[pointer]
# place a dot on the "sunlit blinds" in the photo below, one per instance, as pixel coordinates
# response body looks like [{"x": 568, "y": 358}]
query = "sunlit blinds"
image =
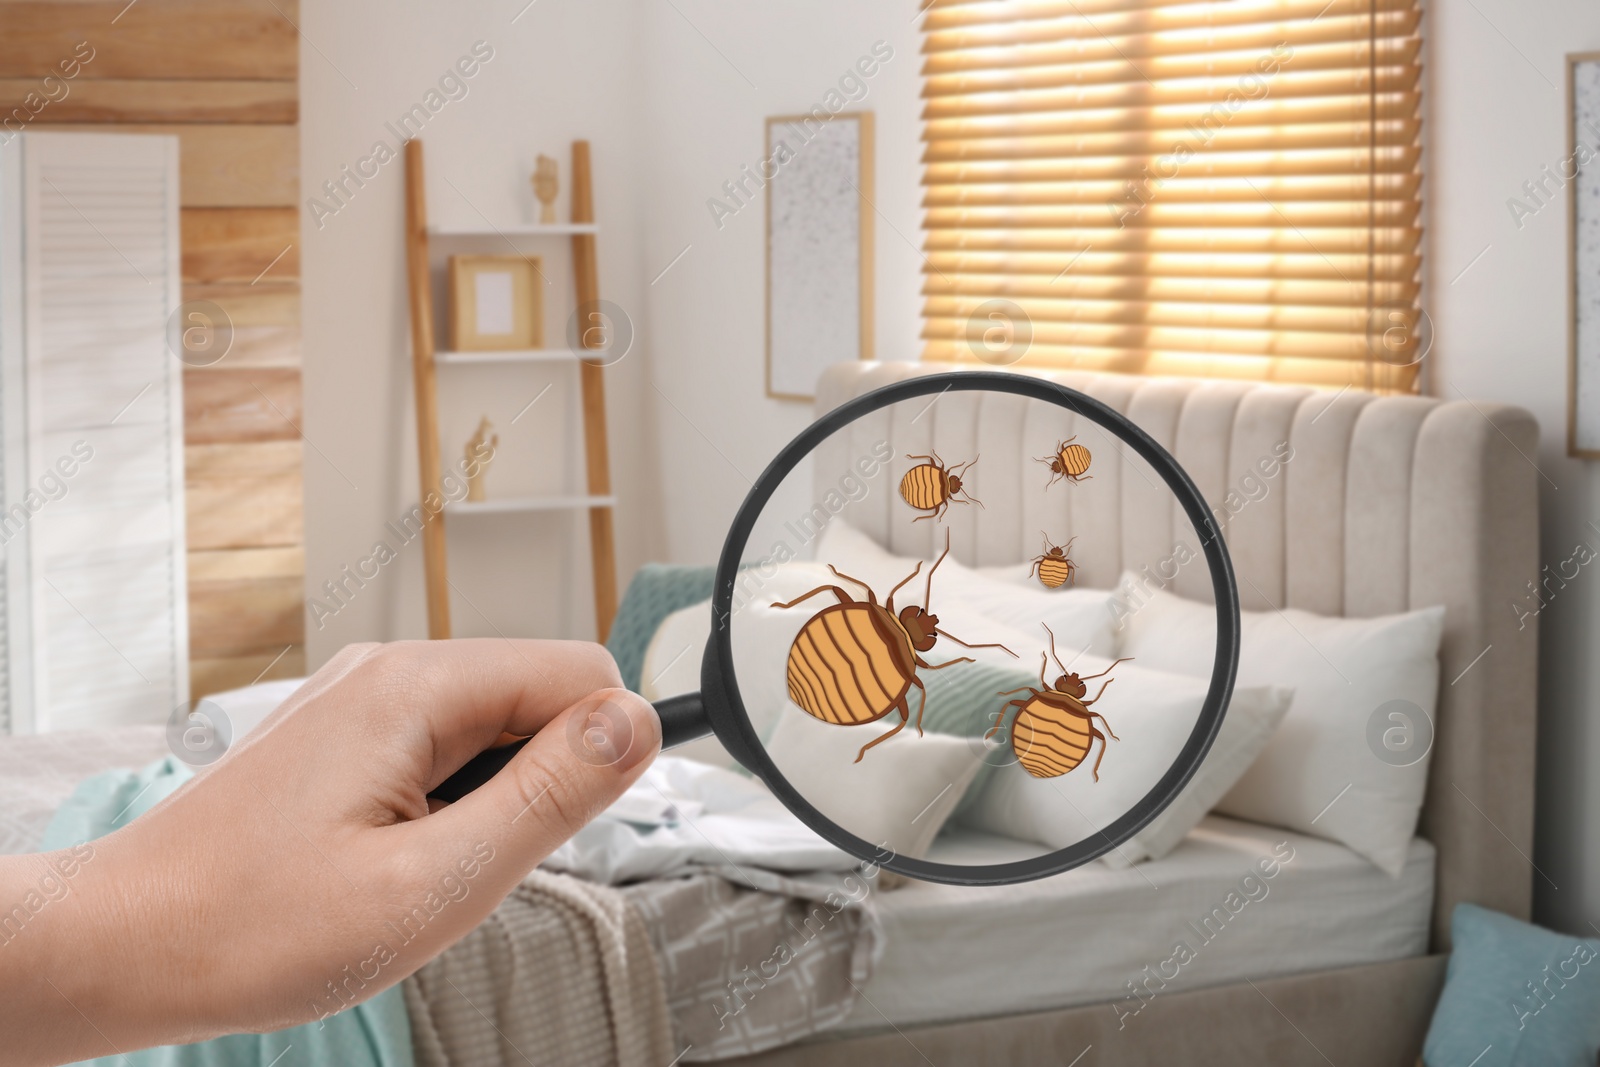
[{"x": 1227, "y": 188}]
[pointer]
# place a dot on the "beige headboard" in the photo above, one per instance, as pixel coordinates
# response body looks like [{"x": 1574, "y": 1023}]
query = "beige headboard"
[{"x": 1389, "y": 503}]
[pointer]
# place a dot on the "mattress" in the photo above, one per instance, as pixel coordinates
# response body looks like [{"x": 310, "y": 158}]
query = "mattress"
[{"x": 1203, "y": 915}]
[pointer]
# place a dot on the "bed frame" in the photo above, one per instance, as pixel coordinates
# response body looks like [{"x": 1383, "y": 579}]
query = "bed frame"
[{"x": 1389, "y": 503}]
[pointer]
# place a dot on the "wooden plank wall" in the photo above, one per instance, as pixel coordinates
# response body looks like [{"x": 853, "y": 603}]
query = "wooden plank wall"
[{"x": 222, "y": 76}]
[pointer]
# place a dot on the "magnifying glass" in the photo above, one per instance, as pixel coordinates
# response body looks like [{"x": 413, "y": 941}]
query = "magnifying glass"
[{"x": 862, "y": 670}]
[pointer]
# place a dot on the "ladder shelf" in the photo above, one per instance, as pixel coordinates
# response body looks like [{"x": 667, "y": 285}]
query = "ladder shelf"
[{"x": 425, "y": 361}]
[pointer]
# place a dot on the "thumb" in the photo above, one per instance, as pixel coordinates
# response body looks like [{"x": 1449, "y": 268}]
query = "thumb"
[{"x": 569, "y": 772}]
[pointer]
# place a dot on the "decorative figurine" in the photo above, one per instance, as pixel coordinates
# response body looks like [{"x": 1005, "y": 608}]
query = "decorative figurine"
[
  {"x": 545, "y": 186},
  {"x": 479, "y": 454}
]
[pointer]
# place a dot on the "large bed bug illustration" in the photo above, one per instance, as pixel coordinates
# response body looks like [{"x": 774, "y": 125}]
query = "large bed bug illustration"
[
  {"x": 932, "y": 487},
  {"x": 1055, "y": 568},
  {"x": 854, "y": 662},
  {"x": 1054, "y": 728},
  {"x": 1069, "y": 461}
]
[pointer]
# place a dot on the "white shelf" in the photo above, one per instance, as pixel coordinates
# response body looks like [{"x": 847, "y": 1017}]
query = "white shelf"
[
  {"x": 529, "y": 503},
  {"x": 516, "y": 355},
  {"x": 534, "y": 229}
]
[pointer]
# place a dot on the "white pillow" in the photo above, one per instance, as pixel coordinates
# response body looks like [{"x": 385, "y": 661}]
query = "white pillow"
[
  {"x": 1317, "y": 774},
  {"x": 1252, "y": 716},
  {"x": 673, "y": 657},
  {"x": 1152, "y": 713},
  {"x": 672, "y": 667},
  {"x": 899, "y": 795},
  {"x": 1081, "y": 618}
]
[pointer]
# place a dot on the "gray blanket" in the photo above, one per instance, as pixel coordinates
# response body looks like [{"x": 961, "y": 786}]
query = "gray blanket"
[
  {"x": 561, "y": 973},
  {"x": 752, "y": 966},
  {"x": 703, "y": 967}
]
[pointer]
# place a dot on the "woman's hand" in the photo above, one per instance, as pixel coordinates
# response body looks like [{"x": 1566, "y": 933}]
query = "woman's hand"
[{"x": 303, "y": 872}]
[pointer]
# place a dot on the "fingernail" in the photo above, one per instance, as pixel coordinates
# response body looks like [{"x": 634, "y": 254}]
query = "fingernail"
[{"x": 615, "y": 728}]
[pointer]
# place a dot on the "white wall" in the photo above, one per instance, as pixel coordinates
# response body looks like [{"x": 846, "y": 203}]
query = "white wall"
[
  {"x": 715, "y": 71},
  {"x": 1496, "y": 100},
  {"x": 560, "y": 71}
]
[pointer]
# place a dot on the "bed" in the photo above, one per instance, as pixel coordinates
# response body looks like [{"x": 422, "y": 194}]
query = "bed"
[{"x": 1390, "y": 503}]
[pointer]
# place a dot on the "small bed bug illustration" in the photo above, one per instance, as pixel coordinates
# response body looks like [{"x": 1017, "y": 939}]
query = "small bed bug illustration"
[
  {"x": 853, "y": 663},
  {"x": 1070, "y": 461},
  {"x": 1055, "y": 568},
  {"x": 1054, "y": 728},
  {"x": 931, "y": 487}
]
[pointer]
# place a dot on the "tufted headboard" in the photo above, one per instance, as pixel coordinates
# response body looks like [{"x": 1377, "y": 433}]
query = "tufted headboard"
[{"x": 1389, "y": 503}]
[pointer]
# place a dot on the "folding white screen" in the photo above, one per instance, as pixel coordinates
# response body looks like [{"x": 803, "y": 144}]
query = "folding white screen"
[{"x": 92, "y": 405}]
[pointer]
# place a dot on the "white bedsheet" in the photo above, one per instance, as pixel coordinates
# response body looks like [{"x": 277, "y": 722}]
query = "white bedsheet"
[
  {"x": 728, "y": 820},
  {"x": 1079, "y": 938}
]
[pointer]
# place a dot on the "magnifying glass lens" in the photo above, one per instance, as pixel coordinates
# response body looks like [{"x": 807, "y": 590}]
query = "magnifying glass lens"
[{"x": 928, "y": 631}]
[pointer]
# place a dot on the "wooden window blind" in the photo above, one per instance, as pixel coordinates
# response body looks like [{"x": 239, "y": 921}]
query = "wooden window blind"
[{"x": 1153, "y": 186}]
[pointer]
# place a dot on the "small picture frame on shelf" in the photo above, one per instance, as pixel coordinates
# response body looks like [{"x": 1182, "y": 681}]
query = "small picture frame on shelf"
[{"x": 495, "y": 303}]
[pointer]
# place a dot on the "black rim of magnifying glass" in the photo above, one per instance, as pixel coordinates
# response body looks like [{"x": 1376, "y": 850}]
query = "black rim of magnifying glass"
[{"x": 720, "y": 688}]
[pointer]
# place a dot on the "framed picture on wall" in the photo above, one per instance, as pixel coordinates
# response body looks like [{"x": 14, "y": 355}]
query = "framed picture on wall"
[
  {"x": 1580, "y": 170},
  {"x": 495, "y": 303},
  {"x": 818, "y": 175}
]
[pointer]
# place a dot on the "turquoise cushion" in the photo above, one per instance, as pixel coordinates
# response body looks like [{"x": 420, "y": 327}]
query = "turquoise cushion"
[
  {"x": 656, "y": 591},
  {"x": 1515, "y": 995},
  {"x": 965, "y": 700}
]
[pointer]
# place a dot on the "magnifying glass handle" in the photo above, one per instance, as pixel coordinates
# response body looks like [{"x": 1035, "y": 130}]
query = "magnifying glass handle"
[{"x": 683, "y": 719}]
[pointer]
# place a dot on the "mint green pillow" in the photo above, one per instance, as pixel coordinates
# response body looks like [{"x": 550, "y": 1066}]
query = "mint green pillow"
[
  {"x": 965, "y": 700},
  {"x": 1515, "y": 995}
]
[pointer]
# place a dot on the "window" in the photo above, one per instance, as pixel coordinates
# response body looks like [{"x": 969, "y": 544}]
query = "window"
[{"x": 1225, "y": 189}]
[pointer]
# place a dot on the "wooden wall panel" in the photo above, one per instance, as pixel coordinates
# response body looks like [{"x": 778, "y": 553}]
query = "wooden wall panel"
[
  {"x": 224, "y": 404},
  {"x": 248, "y": 616},
  {"x": 240, "y": 244},
  {"x": 265, "y": 346},
  {"x": 247, "y": 564},
  {"x": 119, "y": 100},
  {"x": 266, "y": 303},
  {"x": 155, "y": 39},
  {"x": 237, "y": 613},
  {"x": 244, "y": 495},
  {"x": 213, "y": 674},
  {"x": 221, "y": 75}
]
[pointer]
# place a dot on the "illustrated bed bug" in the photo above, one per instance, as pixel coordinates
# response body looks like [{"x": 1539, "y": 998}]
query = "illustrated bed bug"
[
  {"x": 931, "y": 487},
  {"x": 1070, "y": 461},
  {"x": 1054, "y": 728},
  {"x": 1054, "y": 568},
  {"x": 853, "y": 663}
]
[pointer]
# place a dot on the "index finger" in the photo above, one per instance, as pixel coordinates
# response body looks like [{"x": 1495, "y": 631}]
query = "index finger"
[{"x": 464, "y": 694}]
